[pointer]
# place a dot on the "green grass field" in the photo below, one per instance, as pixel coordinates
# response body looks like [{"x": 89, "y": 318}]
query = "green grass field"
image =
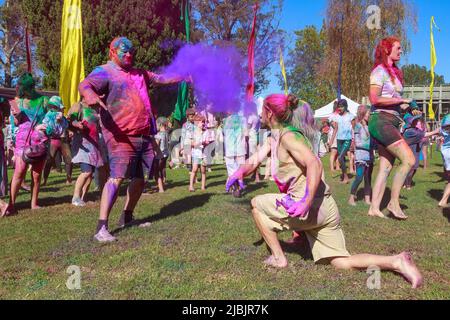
[{"x": 204, "y": 245}]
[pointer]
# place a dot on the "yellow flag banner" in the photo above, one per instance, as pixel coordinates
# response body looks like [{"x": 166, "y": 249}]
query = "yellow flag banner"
[
  {"x": 72, "y": 64},
  {"x": 283, "y": 72},
  {"x": 433, "y": 65}
]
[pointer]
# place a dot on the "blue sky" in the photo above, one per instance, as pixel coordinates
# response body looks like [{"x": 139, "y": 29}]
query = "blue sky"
[{"x": 299, "y": 13}]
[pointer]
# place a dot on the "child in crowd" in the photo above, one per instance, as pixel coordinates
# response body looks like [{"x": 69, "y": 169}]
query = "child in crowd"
[
  {"x": 445, "y": 151},
  {"x": 199, "y": 140},
  {"x": 414, "y": 138},
  {"x": 56, "y": 125},
  {"x": 186, "y": 143},
  {"x": 162, "y": 140},
  {"x": 234, "y": 133},
  {"x": 364, "y": 156},
  {"x": 86, "y": 147}
]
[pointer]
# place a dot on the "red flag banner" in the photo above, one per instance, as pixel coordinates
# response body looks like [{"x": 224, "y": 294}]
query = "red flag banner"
[{"x": 251, "y": 57}]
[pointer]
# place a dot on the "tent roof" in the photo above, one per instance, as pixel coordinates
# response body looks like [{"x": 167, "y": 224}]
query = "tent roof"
[{"x": 326, "y": 111}]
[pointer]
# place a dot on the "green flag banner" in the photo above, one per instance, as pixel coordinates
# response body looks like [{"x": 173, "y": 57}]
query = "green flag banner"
[{"x": 183, "y": 96}]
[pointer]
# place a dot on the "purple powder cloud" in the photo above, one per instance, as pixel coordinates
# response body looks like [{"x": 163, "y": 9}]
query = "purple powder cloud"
[{"x": 218, "y": 72}]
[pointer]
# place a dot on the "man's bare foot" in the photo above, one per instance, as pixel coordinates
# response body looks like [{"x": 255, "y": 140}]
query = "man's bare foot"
[
  {"x": 35, "y": 207},
  {"x": 367, "y": 200},
  {"x": 161, "y": 191},
  {"x": 397, "y": 212},
  {"x": 276, "y": 262},
  {"x": 191, "y": 190},
  {"x": 408, "y": 269},
  {"x": 376, "y": 213},
  {"x": 351, "y": 201},
  {"x": 203, "y": 188}
]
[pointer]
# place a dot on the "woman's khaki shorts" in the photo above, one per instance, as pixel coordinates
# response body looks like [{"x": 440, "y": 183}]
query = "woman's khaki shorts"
[{"x": 322, "y": 225}]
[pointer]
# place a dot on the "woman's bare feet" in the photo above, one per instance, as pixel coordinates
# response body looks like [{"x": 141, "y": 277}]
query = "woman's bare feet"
[
  {"x": 376, "y": 213},
  {"x": 276, "y": 262},
  {"x": 351, "y": 201},
  {"x": 444, "y": 205},
  {"x": 191, "y": 190},
  {"x": 36, "y": 207},
  {"x": 397, "y": 211},
  {"x": 408, "y": 269},
  {"x": 8, "y": 210}
]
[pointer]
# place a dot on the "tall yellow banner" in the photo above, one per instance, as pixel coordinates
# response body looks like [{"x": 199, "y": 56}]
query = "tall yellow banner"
[
  {"x": 433, "y": 65},
  {"x": 283, "y": 72},
  {"x": 72, "y": 64}
]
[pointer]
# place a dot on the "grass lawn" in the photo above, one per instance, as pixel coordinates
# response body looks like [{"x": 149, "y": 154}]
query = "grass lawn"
[{"x": 204, "y": 245}]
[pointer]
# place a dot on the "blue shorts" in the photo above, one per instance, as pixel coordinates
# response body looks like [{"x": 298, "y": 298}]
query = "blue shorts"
[
  {"x": 87, "y": 168},
  {"x": 130, "y": 156}
]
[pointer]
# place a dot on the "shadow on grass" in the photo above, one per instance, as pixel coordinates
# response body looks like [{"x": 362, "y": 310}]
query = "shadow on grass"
[
  {"x": 436, "y": 194},
  {"x": 446, "y": 214},
  {"x": 301, "y": 247},
  {"x": 173, "y": 209}
]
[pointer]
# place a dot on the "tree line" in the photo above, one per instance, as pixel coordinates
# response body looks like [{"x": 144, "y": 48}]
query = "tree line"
[{"x": 157, "y": 30}]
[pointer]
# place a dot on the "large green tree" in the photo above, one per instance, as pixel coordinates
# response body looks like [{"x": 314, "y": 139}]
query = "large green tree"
[
  {"x": 347, "y": 28},
  {"x": 231, "y": 21},
  {"x": 302, "y": 67},
  {"x": 416, "y": 75},
  {"x": 154, "y": 26},
  {"x": 12, "y": 42}
]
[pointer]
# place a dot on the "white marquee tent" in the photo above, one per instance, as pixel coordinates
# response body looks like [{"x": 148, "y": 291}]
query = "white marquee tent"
[{"x": 326, "y": 111}]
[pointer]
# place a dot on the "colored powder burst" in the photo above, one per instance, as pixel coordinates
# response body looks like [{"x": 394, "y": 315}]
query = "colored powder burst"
[{"x": 218, "y": 74}]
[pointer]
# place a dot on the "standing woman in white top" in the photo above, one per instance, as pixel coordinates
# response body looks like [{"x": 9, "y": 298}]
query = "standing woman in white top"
[{"x": 386, "y": 87}]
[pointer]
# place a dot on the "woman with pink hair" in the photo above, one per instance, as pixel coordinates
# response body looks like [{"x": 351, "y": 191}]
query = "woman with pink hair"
[
  {"x": 386, "y": 87},
  {"x": 304, "y": 202}
]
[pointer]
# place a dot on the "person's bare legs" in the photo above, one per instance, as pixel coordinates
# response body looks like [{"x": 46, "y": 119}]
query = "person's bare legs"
[
  {"x": 443, "y": 203},
  {"x": 36, "y": 172},
  {"x": 20, "y": 170},
  {"x": 86, "y": 186},
  {"x": 109, "y": 197},
  {"x": 193, "y": 177},
  {"x": 333, "y": 158},
  {"x": 203, "y": 171},
  {"x": 134, "y": 192},
  {"x": 425, "y": 156},
  {"x": 403, "y": 152},
  {"x": 386, "y": 163},
  {"x": 278, "y": 258},
  {"x": 401, "y": 263},
  {"x": 78, "y": 191}
]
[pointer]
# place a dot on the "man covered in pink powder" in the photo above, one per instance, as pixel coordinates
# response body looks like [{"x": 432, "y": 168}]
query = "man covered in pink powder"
[{"x": 128, "y": 126}]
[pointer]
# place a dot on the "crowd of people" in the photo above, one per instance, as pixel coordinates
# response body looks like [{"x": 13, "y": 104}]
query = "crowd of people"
[{"x": 114, "y": 135}]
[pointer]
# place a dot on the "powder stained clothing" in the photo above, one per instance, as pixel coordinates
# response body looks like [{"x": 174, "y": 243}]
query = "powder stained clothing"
[
  {"x": 129, "y": 112},
  {"x": 389, "y": 88},
  {"x": 414, "y": 138},
  {"x": 445, "y": 149},
  {"x": 322, "y": 222},
  {"x": 85, "y": 143},
  {"x": 253, "y": 132},
  {"x": 344, "y": 123},
  {"x": 186, "y": 141},
  {"x": 385, "y": 128},
  {"x": 163, "y": 138},
  {"x": 363, "y": 145},
  {"x": 29, "y": 109},
  {"x": 55, "y": 128},
  {"x": 234, "y": 132}
]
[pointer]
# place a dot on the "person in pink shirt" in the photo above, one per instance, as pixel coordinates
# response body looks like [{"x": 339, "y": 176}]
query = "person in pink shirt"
[{"x": 128, "y": 126}]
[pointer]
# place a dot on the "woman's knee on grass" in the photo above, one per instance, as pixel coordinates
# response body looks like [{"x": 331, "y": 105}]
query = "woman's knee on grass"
[{"x": 342, "y": 263}]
